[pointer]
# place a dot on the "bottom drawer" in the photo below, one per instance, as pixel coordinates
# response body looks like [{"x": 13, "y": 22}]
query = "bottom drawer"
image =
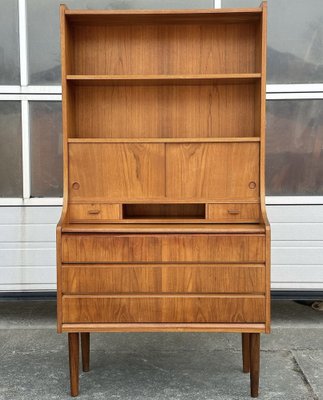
[{"x": 163, "y": 309}]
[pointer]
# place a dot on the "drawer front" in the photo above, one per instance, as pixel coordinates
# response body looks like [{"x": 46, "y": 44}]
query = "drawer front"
[
  {"x": 94, "y": 212},
  {"x": 104, "y": 279},
  {"x": 126, "y": 248},
  {"x": 233, "y": 212},
  {"x": 185, "y": 309}
]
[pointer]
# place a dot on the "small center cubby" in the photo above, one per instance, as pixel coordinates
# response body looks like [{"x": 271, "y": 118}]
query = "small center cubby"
[{"x": 163, "y": 211}]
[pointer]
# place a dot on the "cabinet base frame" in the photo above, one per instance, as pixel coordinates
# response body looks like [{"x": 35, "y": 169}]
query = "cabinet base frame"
[
  {"x": 250, "y": 354},
  {"x": 165, "y": 327}
]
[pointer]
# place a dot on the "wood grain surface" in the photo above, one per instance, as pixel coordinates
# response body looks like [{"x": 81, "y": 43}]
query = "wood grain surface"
[
  {"x": 225, "y": 110},
  {"x": 198, "y": 308},
  {"x": 164, "y": 48},
  {"x": 234, "y": 212},
  {"x": 116, "y": 170},
  {"x": 213, "y": 170},
  {"x": 201, "y": 278},
  {"x": 177, "y": 227},
  {"x": 180, "y": 248},
  {"x": 94, "y": 212}
]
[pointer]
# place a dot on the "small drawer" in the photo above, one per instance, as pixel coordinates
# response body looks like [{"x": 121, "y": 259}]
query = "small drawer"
[
  {"x": 237, "y": 212},
  {"x": 150, "y": 278},
  {"x": 163, "y": 248},
  {"x": 164, "y": 308},
  {"x": 94, "y": 212}
]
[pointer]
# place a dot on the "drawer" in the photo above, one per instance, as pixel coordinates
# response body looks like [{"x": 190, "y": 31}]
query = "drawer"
[
  {"x": 94, "y": 212},
  {"x": 159, "y": 308},
  {"x": 203, "y": 278},
  {"x": 233, "y": 212},
  {"x": 163, "y": 248}
]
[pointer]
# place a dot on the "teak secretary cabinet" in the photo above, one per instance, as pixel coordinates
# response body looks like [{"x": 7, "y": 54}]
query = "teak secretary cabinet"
[{"x": 164, "y": 225}]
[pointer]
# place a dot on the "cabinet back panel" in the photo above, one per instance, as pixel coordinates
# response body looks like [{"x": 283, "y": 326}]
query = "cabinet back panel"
[
  {"x": 198, "y": 48},
  {"x": 116, "y": 170},
  {"x": 164, "y": 111}
]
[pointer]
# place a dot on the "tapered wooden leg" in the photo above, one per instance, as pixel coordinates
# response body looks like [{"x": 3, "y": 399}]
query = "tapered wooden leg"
[
  {"x": 85, "y": 345},
  {"x": 73, "y": 347},
  {"x": 246, "y": 352},
  {"x": 254, "y": 363}
]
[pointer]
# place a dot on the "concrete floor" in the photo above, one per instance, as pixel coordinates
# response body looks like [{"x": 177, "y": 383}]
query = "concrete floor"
[{"x": 156, "y": 366}]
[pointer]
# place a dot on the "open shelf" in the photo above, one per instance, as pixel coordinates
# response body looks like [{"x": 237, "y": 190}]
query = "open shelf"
[
  {"x": 172, "y": 110},
  {"x": 163, "y": 211},
  {"x": 165, "y": 140},
  {"x": 163, "y": 43},
  {"x": 198, "y": 79}
]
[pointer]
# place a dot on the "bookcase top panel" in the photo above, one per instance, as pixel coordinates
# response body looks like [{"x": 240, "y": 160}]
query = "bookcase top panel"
[{"x": 163, "y": 16}]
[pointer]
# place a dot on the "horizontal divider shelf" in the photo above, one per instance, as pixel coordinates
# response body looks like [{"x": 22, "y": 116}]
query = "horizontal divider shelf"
[
  {"x": 166, "y": 140},
  {"x": 166, "y": 201},
  {"x": 163, "y": 79},
  {"x": 174, "y": 228},
  {"x": 162, "y": 295}
]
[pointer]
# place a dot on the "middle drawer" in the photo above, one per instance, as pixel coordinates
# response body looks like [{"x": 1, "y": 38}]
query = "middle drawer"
[
  {"x": 162, "y": 248},
  {"x": 203, "y": 278}
]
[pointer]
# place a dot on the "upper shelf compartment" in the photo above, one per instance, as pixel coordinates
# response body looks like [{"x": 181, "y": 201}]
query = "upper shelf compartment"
[
  {"x": 152, "y": 43},
  {"x": 159, "y": 111}
]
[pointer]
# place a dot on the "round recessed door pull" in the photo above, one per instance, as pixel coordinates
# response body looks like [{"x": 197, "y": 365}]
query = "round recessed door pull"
[
  {"x": 252, "y": 185},
  {"x": 75, "y": 185}
]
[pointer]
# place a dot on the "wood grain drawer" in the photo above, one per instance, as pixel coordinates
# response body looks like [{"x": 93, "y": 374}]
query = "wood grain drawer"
[
  {"x": 116, "y": 278},
  {"x": 159, "y": 308},
  {"x": 181, "y": 248},
  {"x": 234, "y": 212},
  {"x": 94, "y": 212}
]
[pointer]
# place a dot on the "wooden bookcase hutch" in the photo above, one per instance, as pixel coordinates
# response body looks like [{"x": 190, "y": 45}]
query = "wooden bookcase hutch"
[{"x": 164, "y": 225}]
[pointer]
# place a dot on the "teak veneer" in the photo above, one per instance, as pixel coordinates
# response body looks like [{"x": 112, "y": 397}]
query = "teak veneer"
[{"x": 164, "y": 224}]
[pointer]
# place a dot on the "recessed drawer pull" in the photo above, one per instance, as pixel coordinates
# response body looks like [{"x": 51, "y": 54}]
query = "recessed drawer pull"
[
  {"x": 234, "y": 212},
  {"x": 93, "y": 212}
]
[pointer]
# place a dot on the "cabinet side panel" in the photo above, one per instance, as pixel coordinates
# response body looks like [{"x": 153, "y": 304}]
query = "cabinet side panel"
[
  {"x": 263, "y": 36},
  {"x": 65, "y": 42}
]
